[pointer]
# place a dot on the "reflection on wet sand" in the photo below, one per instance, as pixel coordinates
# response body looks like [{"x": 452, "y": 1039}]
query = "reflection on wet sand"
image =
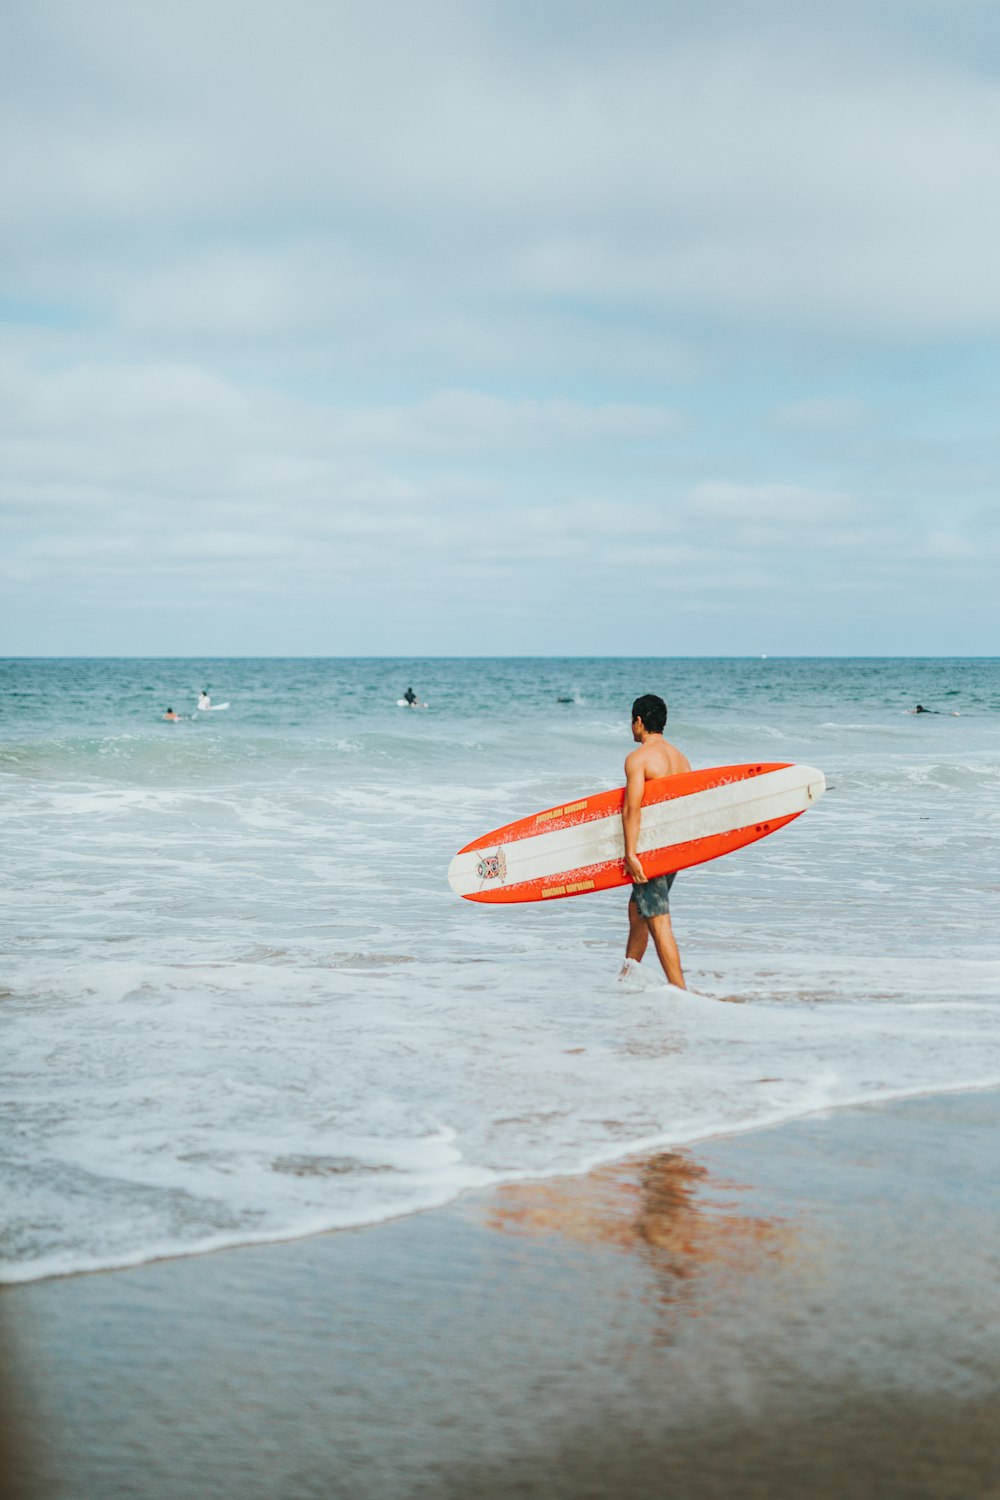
[{"x": 657, "y": 1207}]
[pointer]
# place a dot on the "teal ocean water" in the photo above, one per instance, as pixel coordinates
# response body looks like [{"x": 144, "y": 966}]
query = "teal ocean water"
[{"x": 240, "y": 1003}]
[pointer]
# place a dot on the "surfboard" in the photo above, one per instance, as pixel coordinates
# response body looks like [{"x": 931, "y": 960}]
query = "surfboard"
[
  {"x": 213, "y": 708},
  {"x": 402, "y": 703},
  {"x": 579, "y": 847}
]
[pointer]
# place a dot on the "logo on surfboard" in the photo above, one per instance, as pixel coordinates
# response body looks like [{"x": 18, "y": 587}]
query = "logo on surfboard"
[{"x": 493, "y": 866}]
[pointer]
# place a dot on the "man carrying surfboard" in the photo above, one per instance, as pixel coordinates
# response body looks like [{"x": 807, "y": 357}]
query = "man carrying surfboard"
[{"x": 649, "y": 904}]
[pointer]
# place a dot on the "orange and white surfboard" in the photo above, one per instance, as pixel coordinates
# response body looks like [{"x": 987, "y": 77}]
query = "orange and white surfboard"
[{"x": 579, "y": 846}]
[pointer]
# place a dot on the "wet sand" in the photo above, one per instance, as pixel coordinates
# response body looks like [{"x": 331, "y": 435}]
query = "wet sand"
[{"x": 812, "y": 1310}]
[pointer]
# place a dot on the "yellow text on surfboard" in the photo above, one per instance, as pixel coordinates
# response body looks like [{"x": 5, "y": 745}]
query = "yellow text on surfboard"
[
  {"x": 574, "y": 889},
  {"x": 561, "y": 812}
]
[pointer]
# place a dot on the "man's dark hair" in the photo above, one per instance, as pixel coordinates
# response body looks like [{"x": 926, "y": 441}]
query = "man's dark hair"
[{"x": 652, "y": 711}]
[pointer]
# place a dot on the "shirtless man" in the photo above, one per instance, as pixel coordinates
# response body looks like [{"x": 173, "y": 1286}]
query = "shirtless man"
[{"x": 649, "y": 906}]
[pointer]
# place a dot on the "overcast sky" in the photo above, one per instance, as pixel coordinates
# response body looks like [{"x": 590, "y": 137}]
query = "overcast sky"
[{"x": 349, "y": 327}]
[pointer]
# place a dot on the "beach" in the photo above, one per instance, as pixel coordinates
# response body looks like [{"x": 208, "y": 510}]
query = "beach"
[
  {"x": 806, "y": 1310},
  {"x": 320, "y": 1181}
]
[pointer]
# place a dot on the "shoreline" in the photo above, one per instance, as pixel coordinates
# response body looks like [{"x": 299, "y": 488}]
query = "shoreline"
[
  {"x": 641, "y": 1149},
  {"x": 636, "y": 1151},
  {"x": 808, "y": 1307}
]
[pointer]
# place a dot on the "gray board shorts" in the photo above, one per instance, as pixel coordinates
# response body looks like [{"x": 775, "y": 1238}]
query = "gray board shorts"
[{"x": 653, "y": 898}]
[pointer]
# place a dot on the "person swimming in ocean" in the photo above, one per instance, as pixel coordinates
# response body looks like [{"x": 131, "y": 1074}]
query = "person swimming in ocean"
[
  {"x": 410, "y": 697},
  {"x": 649, "y": 904},
  {"x": 171, "y": 717}
]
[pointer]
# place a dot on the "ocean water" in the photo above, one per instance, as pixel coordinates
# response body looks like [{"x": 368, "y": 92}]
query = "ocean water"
[{"x": 239, "y": 1002}]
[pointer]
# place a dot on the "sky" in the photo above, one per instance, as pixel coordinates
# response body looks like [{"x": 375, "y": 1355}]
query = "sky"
[{"x": 499, "y": 327}]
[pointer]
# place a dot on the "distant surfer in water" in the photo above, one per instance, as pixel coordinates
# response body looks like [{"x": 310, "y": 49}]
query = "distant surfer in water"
[
  {"x": 649, "y": 905},
  {"x": 410, "y": 697},
  {"x": 171, "y": 717},
  {"x": 204, "y": 701}
]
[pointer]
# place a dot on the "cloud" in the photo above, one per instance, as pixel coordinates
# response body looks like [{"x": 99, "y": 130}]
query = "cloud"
[
  {"x": 820, "y": 414},
  {"x": 768, "y": 504},
  {"x": 835, "y": 170},
  {"x": 167, "y": 470},
  {"x": 238, "y": 291},
  {"x": 167, "y": 429},
  {"x": 578, "y": 302},
  {"x": 459, "y": 421}
]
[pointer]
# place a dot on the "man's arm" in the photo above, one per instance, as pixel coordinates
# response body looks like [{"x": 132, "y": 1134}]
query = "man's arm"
[{"x": 635, "y": 785}]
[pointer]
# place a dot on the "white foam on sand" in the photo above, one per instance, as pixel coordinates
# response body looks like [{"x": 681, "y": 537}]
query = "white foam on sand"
[{"x": 172, "y": 1110}]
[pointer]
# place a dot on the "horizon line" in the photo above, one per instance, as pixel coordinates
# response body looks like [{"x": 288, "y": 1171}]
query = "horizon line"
[{"x": 519, "y": 656}]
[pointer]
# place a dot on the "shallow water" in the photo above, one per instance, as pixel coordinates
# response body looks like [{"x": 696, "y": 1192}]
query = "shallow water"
[{"x": 240, "y": 1001}]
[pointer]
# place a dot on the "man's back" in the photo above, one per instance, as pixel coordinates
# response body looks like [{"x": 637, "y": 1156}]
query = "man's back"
[{"x": 655, "y": 758}]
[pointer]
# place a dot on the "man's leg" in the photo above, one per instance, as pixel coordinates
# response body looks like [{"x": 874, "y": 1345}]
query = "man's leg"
[
  {"x": 638, "y": 933},
  {"x": 666, "y": 947}
]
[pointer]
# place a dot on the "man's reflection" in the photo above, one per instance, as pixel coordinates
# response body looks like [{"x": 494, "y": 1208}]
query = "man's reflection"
[{"x": 663, "y": 1208}]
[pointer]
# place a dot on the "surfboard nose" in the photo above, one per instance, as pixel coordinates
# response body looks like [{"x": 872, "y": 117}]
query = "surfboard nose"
[{"x": 461, "y": 875}]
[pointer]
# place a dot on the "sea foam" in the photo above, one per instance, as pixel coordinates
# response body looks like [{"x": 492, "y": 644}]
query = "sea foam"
[{"x": 241, "y": 1003}]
